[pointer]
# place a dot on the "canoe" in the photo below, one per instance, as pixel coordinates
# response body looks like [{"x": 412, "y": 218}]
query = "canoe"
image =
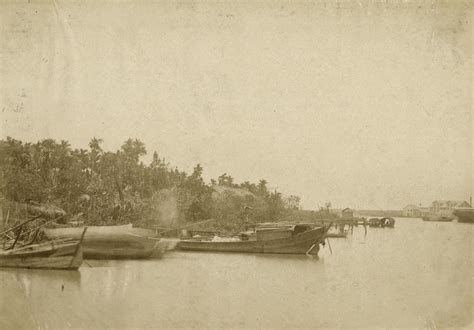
[
  {"x": 112, "y": 242},
  {"x": 295, "y": 239},
  {"x": 49, "y": 255}
]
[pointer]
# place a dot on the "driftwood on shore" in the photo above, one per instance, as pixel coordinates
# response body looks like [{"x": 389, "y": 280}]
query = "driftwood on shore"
[
  {"x": 12, "y": 209},
  {"x": 47, "y": 211},
  {"x": 20, "y": 222}
]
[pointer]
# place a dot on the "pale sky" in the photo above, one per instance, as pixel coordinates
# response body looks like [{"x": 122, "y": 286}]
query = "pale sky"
[{"x": 362, "y": 104}]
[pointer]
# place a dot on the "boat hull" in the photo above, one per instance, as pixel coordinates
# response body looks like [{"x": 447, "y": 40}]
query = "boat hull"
[
  {"x": 465, "y": 215},
  {"x": 382, "y": 222},
  {"x": 120, "y": 247},
  {"x": 112, "y": 242},
  {"x": 437, "y": 219},
  {"x": 298, "y": 244},
  {"x": 44, "y": 256}
]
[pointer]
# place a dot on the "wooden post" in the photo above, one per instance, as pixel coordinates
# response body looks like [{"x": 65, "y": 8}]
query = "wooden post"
[
  {"x": 17, "y": 237},
  {"x": 34, "y": 236},
  {"x": 329, "y": 244},
  {"x": 21, "y": 224},
  {"x": 83, "y": 234},
  {"x": 311, "y": 249},
  {"x": 78, "y": 246},
  {"x": 8, "y": 217}
]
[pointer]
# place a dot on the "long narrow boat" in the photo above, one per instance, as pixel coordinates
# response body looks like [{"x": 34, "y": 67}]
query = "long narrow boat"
[
  {"x": 112, "y": 242},
  {"x": 437, "y": 218},
  {"x": 465, "y": 214},
  {"x": 269, "y": 238},
  {"x": 49, "y": 255}
]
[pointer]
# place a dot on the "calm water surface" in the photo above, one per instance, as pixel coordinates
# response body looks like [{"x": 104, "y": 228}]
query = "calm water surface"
[{"x": 416, "y": 275}]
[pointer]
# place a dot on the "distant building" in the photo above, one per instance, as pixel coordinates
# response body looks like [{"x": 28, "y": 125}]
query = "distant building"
[
  {"x": 411, "y": 210},
  {"x": 347, "y": 213},
  {"x": 446, "y": 206}
]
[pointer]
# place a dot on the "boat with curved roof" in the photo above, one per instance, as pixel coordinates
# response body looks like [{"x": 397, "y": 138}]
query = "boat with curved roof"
[{"x": 267, "y": 238}]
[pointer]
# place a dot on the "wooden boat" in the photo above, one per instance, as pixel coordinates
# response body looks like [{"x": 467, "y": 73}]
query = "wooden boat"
[
  {"x": 49, "y": 255},
  {"x": 382, "y": 222},
  {"x": 267, "y": 238},
  {"x": 464, "y": 214},
  {"x": 387, "y": 222},
  {"x": 374, "y": 222},
  {"x": 112, "y": 242}
]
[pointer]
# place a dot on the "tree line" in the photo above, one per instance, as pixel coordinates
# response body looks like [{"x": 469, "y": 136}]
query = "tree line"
[{"x": 103, "y": 187}]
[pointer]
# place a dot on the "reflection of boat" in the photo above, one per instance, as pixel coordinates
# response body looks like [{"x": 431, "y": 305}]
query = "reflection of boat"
[
  {"x": 339, "y": 230},
  {"x": 465, "y": 214},
  {"x": 437, "y": 219},
  {"x": 49, "y": 255},
  {"x": 72, "y": 279},
  {"x": 337, "y": 235},
  {"x": 439, "y": 216},
  {"x": 112, "y": 242},
  {"x": 267, "y": 238}
]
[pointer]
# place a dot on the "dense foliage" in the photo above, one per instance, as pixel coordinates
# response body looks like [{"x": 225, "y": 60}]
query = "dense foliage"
[{"x": 103, "y": 187}]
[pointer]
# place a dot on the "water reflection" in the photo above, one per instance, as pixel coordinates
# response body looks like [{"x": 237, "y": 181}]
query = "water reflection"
[
  {"x": 33, "y": 298},
  {"x": 29, "y": 279},
  {"x": 296, "y": 257},
  {"x": 416, "y": 274}
]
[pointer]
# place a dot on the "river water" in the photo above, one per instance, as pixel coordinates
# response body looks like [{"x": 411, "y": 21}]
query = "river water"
[{"x": 418, "y": 274}]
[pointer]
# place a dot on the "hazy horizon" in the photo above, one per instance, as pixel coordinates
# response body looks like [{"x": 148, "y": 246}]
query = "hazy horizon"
[{"x": 366, "y": 105}]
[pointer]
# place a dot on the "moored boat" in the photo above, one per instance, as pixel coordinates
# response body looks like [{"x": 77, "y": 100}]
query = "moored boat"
[
  {"x": 437, "y": 218},
  {"x": 441, "y": 216},
  {"x": 387, "y": 222},
  {"x": 382, "y": 222},
  {"x": 374, "y": 222},
  {"x": 48, "y": 255},
  {"x": 112, "y": 242},
  {"x": 465, "y": 214},
  {"x": 267, "y": 238}
]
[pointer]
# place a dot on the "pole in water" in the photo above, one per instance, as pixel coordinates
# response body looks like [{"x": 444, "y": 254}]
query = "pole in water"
[
  {"x": 310, "y": 249},
  {"x": 329, "y": 244}
]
